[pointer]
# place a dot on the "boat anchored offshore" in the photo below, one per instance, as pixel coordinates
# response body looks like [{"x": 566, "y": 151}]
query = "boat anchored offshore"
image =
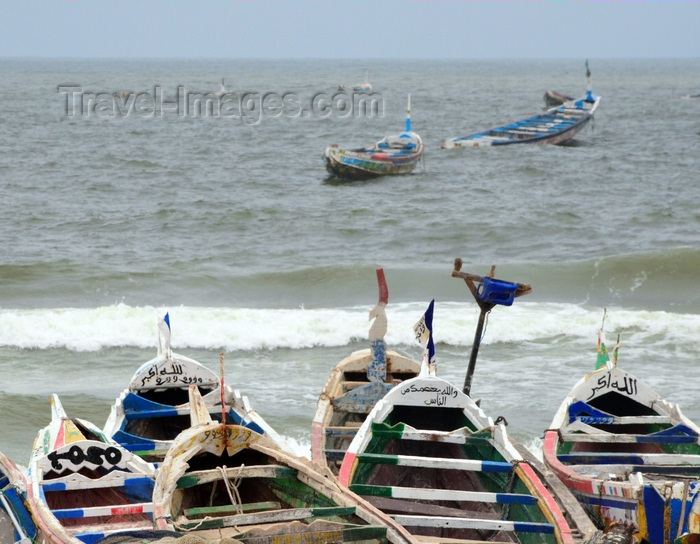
[
  {"x": 556, "y": 125},
  {"x": 396, "y": 154}
]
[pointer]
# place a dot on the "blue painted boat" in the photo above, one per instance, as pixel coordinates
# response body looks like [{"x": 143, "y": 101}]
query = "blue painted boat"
[
  {"x": 556, "y": 125},
  {"x": 392, "y": 155},
  {"x": 16, "y": 523},
  {"x": 154, "y": 408},
  {"x": 628, "y": 456},
  {"x": 82, "y": 486}
]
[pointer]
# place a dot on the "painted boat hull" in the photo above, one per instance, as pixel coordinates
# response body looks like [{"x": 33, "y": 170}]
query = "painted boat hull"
[
  {"x": 370, "y": 163},
  {"x": 555, "y": 126},
  {"x": 16, "y": 523},
  {"x": 628, "y": 456},
  {"x": 83, "y": 487},
  {"x": 347, "y": 399},
  {"x": 229, "y": 482},
  {"x": 429, "y": 456},
  {"x": 154, "y": 408}
]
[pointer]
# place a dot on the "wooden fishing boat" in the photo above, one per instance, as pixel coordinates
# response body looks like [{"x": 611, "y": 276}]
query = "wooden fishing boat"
[
  {"x": 396, "y": 154},
  {"x": 556, "y": 125},
  {"x": 82, "y": 486},
  {"x": 555, "y": 98},
  {"x": 16, "y": 523},
  {"x": 628, "y": 455},
  {"x": 154, "y": 408},
  {"x": 227, "y": 481},
  {"x": 432, "y": 459},
  {"x": 354, "y": 387}
]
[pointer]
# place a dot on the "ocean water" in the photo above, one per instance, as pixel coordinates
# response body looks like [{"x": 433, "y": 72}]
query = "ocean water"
[{"x": 113, "y": 213}]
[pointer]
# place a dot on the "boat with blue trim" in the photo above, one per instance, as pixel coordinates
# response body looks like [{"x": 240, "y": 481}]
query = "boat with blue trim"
[
  {"x": 557, "y": 125},
  {"x": 392, "y": 155},
  {"x": 154, "y": 408},
  {"x": 83, "y": 486},
  {"x": 16, "y": 523},
  {"x": 629, "y": 456},
  {"x": 430, "y": 457}
]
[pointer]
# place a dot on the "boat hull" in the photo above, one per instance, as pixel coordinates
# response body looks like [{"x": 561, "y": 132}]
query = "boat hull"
[
  {"x": 16, "y": 523},
  {"x": 430, "y": 457},
  {"x": 628, "y": 456},
  {"x": 556, "y": 126},
  {"x": 347, "y": 164},
  {"x": 347, "y": 399},
  {"x": 273, "y": 496}
]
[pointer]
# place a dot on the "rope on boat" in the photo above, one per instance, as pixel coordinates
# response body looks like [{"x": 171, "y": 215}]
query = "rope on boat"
[{"x": 232, "y": 487}]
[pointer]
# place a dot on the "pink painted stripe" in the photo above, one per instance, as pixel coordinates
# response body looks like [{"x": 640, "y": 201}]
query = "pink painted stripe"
[
  {"x": 571, "y": 479},
  {"x": 346, "y": 468},
  {"x": 317, "y": 454},
  {"x": 559, "y": 519}
]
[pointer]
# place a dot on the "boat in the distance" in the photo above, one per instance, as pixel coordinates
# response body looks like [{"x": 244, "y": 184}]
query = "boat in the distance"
[
  {"x": 82, "y": 486},
  {"x": 392, "y": 155},
  {"x": 154, "y": 408},
  {"x": 557, "y": 125},
  {"x": 223, "y": 481},
  {"x": 555, "y": 98},
  {"x": 360, "y": 88},
  {"x": 16, "y": 523},
  {"x": 430, "y": 457},
  {"x": 354, "y": 387},
  {"x": 629, "y": 456}
]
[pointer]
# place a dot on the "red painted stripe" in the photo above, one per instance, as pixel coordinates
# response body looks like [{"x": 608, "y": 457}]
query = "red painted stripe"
[
  {"x": 127, "y": 509},
  {"x": 571, "y": 479},
  {"x": 559, "y": 520},
  {"x": 346, "y": 468}
]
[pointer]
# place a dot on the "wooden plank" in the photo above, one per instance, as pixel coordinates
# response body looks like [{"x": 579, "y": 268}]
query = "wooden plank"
[
  {"x": 78, "y": 481},
  {"x": 420, "y": 493},
  {"x": 93, "y": 511},
  {"x": 334, "y": 455},
  {"x": 432, "y": 436},
  {"x": 623, "y": 420},
  {"x": 407, "y": 506},
  {"x": 435, "y": 462},
  {"x": 342, "y": 432},
  {"x": 317, "y": 536},
  {"x": 230, "y": 508},
  {"x": 474, "y": 523},
  {"x": 275, "y": 516},
  {"x": 199, "y": 477},
  {"x": 612, "y": 438},
  {"x": 627, "y": 458}
]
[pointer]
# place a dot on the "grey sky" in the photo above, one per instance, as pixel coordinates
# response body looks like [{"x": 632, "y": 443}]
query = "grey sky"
[{"x": 349, "y": 29}]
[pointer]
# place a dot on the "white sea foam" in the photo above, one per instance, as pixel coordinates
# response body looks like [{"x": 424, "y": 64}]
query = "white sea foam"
[{"x": 91, "y": 329}]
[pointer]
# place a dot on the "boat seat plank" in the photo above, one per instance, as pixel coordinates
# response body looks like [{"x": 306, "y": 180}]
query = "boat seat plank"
[
  {"x": 435, "y": 462},
  {"x": 274, "y": 516},
  {"x": 624, "y": 470},
  {"x": 473, "y": 523},
  {"x": 78, "y": 481},
  {"x": 622, "y": 420},
  {"x": 199, "y": 477},
  {"x": 334, "y": 455},
  {"x": 341, "y": 432},
  {"x": 646, "y": 459},
  {"x": 602, "y": 437},
  {"x": 230, "y": 508},
  {"x": 322, "y": 536},
  {"x": 464, "y": 436},
  {"x": 441, "y": 494},
  {"x": 112, "y": 510}
]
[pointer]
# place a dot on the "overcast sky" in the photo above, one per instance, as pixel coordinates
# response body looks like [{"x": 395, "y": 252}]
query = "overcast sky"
[{"x": 349, "y": 29}]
